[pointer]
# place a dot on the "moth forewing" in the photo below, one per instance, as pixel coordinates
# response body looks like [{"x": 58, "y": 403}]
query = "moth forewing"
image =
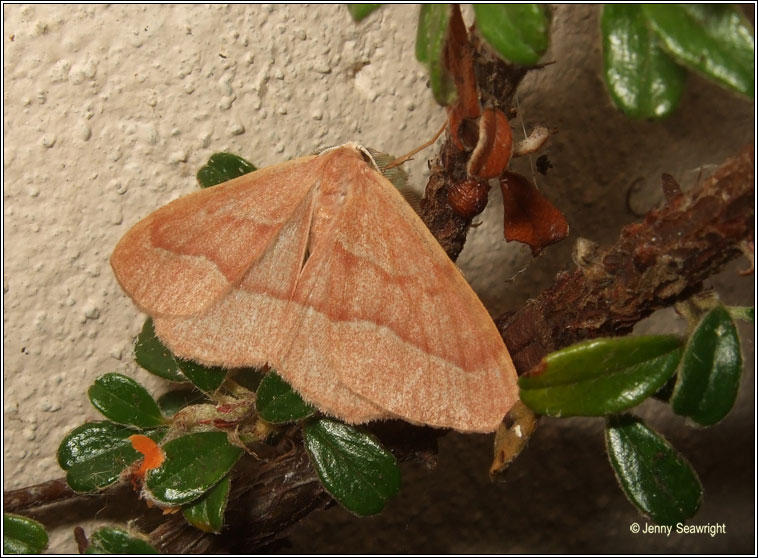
[{"x": 376, "y": 322}]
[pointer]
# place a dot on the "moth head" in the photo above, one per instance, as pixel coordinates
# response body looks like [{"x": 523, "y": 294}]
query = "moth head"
[{"x": 379, "y": 161}]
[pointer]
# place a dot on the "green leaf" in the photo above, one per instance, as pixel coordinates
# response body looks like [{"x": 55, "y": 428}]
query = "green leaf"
[
  {"x": 600, "y": 376},
  {"x": 22, "y": 535},
  {"x": 94, "y": 454},
  {"x": 277, "y": 402},
  {"x": 173, "y": 401},
  {"x": 207, "y": 512},
  {"x": 205, "y": 378},
  {"x": 643, "y": 81},
  {"x": 111, "y": 540},
  {"x": 430, "y": 50},
  {"x": 517, "y": 32},
  {"x": 361, "y": 11},
  {"x": 713, "y": 39},
  {"x": 353, "y": 467},
  {"x": 653, "y": 475},
  {"x": 710, "y": 370},
  {"x": 125, "y": 401},
  {"x": 222, "y": 167},
  {"x": 744, "y": 313},
  {"x": 194, "y": 464},
  {"x": 153, "y": 356}
]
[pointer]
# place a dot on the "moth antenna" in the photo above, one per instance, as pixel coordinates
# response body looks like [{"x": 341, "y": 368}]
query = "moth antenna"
[{"x": 404, "y": 158}]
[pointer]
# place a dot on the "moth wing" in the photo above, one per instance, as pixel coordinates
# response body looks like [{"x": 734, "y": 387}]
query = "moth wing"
[
  {"x": 249, "y": 324},
  {"x": 184, "y": 256},
  {"x": 392, "y": 318}
]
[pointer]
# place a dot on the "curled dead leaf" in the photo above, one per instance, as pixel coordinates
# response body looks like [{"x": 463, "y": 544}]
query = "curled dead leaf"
[
  {"x": 459, "y": 58},
  {"x": 494, "y": 148},
  {"x": 529, "y": 216}
]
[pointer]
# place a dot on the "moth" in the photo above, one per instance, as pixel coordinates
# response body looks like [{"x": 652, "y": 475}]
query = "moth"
[{"x": 319, "y": 268}]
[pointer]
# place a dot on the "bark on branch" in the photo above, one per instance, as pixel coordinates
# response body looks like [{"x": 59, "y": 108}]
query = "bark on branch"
[{"x": 654, "y": 263}]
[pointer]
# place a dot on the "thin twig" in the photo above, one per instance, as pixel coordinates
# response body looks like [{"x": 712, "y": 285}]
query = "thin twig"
[{"x": 37, "y": 495}]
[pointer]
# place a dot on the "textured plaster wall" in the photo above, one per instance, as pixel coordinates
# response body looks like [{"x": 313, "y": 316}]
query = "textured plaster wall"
[{"x": 110, "y": 110}]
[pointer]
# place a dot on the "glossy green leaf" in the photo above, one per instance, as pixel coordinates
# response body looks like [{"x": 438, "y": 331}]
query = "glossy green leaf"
[
  {"x": 713, "y": 39},
  {"x": 207, "y": 512},
  {"x": 361, "y": 11},
  {"x": 600, "y": 376},
  {"x": 153, "y": 356},
  {"x": 94, "y": 454},
  {"x": 710, "y": 370},
  {"x": 744, "y": 313},
  {"x": 111, "y": 540},
  {"x": 125, "y": 401},
  {"x": 205, "y": 378},
  {"x": 353, "y": 467},
  {"x": 22, "y": 535},
  {"x": 222, "y": 167},
  {"x": 653, "y": 475},
  {"x": 173, "y": 401},
  {"x": 277, "y": 402},
  {"x": 642, "y": 79},
  {"x": 517, "y": 32},
  {"x": 194, "y": 464},
  {"x": 430, "y": 50}
]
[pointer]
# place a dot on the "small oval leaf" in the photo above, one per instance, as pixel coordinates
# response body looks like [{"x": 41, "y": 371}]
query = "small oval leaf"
[
  {"x": 600, "y": 376},
  {"x": 518, "y": 32},
  {"x": 277, "y": 402},
  {"x": 207, "y": 512},
  {"x": 710, "y": 370},
  {"x": 653, "y": 475},
  {"x": 111, "y": 540},
  {"x": 194, "y": 464},
  {"x": 22, "y": 535},
  {"x": 125, "y": 401},
  {"x": 361, "y": 11},
  {"x": 353, "y": 467},
  {"x": 222, "y": 167},
  {"x": 94, "y": 454},
  {"x": 204, "y": 378},
  {"x": 713, "y": 39},
  {"x": 153, "y": 356},
  {"x": 643, "y": 81},
  {"x": 430, "y": 50}
]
